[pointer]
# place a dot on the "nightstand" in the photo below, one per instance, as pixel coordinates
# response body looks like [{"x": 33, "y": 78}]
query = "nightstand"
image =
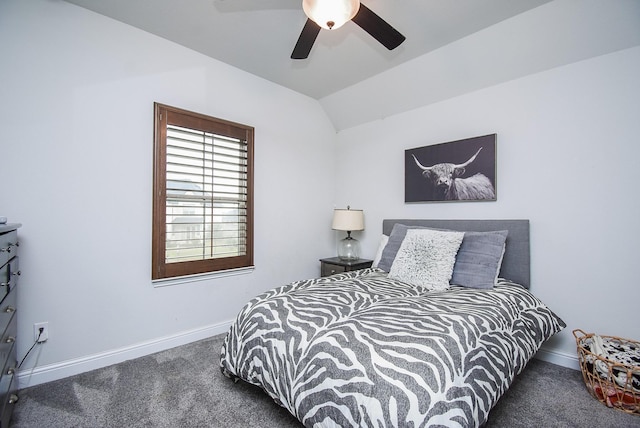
[{"x": 335, "y": 265}]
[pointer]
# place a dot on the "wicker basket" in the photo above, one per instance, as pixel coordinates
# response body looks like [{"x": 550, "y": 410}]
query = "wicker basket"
[{"x": 611, "y": 382}]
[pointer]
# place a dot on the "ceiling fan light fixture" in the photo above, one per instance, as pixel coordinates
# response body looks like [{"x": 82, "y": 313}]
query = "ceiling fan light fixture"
[{"x": 330, "y": 14}]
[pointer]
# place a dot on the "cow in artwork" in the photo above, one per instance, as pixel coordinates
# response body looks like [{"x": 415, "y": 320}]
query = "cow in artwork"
[{"x": 447, "y": 181}]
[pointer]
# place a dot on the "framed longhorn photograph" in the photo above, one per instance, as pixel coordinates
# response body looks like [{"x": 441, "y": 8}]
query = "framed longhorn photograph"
[{"x": 463, "y": 170}]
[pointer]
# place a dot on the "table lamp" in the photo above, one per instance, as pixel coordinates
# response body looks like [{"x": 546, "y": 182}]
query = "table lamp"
[{"x": 348, "y": 220}]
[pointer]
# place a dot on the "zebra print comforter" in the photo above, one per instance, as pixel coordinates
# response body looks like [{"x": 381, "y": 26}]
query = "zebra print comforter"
[{"x": 358, "y": 349}]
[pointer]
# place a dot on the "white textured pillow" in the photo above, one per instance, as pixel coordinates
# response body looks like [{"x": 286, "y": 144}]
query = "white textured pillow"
[
  {"x": 426, "y": 258},
  {"x": 383, "y": 243}
]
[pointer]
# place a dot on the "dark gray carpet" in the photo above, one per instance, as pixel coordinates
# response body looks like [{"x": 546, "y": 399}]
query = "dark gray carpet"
[{"x": 183, "y": 387}]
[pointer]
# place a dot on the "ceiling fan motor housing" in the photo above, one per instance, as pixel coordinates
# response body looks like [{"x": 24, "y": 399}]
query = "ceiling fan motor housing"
[
  {"x": 330, "y": 14},
  {"x": 320, "y": 15}
]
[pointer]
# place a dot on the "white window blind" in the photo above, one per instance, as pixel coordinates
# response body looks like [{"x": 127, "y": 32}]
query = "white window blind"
[
  {"x": 206, "y": 195},
  {"x": 203, "y": 194}
]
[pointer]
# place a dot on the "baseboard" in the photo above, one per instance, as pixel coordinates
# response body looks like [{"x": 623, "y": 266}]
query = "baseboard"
[
  {"x": 51, "y": 372},
  {"x": 68, "y": 368},
  {"x": 559, "y": 358}
]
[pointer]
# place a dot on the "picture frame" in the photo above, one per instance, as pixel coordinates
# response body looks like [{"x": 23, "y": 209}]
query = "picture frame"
[{"x": 455, "y": 171}]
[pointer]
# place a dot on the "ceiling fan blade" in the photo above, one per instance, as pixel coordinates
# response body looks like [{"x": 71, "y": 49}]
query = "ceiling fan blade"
[
  {"x": 305, "y": 41},
  {"x": 378, "y": 28}
]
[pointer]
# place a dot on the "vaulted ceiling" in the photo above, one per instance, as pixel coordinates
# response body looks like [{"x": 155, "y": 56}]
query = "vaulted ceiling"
[
  {"x": 258, "y": 36},
  {"x": 452, "y": 47}
]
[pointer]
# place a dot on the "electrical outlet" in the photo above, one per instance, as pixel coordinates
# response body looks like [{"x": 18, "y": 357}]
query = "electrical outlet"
[{"x": 41, "y": 337}]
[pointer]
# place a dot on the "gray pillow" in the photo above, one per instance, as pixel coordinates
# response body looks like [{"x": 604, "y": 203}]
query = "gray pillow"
[
  {"x": 393, "y": 245},
  {"x": 479, "y": 259},
  {"x": 477, "y": 263}
]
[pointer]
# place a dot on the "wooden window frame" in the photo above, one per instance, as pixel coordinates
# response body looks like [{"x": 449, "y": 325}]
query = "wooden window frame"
[{"x": 164, "y": 115}]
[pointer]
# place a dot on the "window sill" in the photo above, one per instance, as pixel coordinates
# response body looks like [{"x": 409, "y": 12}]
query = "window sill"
[{"x": 165, "y": 282}]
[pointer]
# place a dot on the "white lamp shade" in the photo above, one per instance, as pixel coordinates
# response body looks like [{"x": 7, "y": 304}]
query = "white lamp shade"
[
  {"x": 348, "y": 220},
  {"x": 330, "y": 14}
]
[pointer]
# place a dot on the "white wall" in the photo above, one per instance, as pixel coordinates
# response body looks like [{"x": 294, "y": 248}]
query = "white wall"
[
  {"x": 76, "y": 113},
  {"x": 567, "y": 160}
]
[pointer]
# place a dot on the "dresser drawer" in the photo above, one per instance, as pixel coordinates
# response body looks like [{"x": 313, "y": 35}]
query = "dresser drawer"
[
  {"x": 10, "y": 400},
  {"x": 9, "y": 276},
  {"x": 8, "y": 335},
  {"x": 331, "y": 269},
  {"x": 333, "y": 265},
  {"x": 8, "y": 246},
  {"x": 7, "y": 360},
  {"x": 8, "y": 374},
  {"x": 8, "y": 385},
  {"x": 7, "y": 314}
]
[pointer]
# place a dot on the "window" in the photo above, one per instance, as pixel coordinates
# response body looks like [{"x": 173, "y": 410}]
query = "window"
[{"x": 202, "y": 194}]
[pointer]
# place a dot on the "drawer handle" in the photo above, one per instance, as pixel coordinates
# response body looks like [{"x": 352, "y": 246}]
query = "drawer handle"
[
  {"x": 11, "y": 371},
  {"x": 16, "y": 273},
  {"x": 13, "y": 398},
  {"x": 5, "y": 284},
  {"x": 9, "y": 309},
  {"x": 10, "y": 339},
  {"x": 7, "y": 249}
]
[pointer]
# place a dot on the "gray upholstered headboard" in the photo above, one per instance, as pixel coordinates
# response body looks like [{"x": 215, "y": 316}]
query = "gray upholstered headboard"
[{"x": 516, "y": 261}]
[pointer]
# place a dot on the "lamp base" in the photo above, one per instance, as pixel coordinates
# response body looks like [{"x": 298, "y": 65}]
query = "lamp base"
[{"x": 348, "y": 249}]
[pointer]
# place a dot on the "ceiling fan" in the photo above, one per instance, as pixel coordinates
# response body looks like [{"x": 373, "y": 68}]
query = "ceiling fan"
[{"x": 332, "y": 14}]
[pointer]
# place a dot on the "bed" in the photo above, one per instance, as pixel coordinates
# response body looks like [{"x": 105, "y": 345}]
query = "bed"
[{"x": 393, "y": 345}]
